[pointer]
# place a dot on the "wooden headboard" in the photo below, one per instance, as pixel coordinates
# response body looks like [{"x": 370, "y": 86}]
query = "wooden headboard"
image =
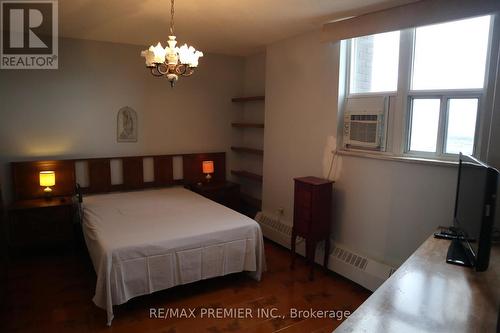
[{"x": 98, "y": 173}]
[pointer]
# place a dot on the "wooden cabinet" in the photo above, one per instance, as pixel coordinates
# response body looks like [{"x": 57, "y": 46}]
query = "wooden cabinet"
[
  {"x": 312, "y": 216},
  {"x": 225, "y": 193},
  {"x": 3, "y": 253},
  {"x": 41, "y": 224}
]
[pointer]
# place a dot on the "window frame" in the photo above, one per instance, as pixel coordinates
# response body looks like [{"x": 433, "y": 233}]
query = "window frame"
[
  {"x": 414, "y": 153},
  {"x": 400, "y": 131},
  {"x": 444, "y": 111},
  {"x": 477, "y": 137},
  {"x": 348, "y": 76}
]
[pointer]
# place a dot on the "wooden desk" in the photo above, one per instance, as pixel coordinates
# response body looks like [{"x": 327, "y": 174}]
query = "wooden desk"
[{"x": 428, "y": 295}]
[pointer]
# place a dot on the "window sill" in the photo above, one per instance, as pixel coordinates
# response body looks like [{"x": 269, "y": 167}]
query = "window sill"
[
  {"x": 372, "y": 94},
  {"x": 404, "y": 159}
]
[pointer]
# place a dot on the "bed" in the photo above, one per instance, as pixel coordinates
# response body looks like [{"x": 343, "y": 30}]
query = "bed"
[{"x": 145, "y": 241}]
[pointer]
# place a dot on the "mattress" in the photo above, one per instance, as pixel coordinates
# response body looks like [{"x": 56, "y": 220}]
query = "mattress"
[{"x": 146, "y": 241}]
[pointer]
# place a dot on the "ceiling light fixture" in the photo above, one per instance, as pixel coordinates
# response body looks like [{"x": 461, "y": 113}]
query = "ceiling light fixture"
[{"x": 171, "y": 61}]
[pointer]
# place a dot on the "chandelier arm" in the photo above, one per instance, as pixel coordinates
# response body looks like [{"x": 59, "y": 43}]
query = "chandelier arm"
[
  {"x": 156, "y": 72},
  {"x": 180, "y": 69},
  {"x": 188, "y": 72},
  {"x": 165, "y": 71}
]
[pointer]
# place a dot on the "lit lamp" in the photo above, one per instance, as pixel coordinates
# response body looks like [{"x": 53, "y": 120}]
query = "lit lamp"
[
  {"x": 47, "y": 179},
  {"x": 208, "y": 168}
]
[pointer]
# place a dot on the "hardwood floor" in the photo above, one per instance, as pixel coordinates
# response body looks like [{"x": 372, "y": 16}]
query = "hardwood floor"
[{"x": 53, "y": 294}]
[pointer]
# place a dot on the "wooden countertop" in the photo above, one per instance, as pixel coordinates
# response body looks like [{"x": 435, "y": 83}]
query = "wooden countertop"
[{"x": 428, "y": 295}]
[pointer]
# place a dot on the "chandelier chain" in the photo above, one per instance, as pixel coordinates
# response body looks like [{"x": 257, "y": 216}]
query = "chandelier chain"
[{"x": 172, "y": 12}]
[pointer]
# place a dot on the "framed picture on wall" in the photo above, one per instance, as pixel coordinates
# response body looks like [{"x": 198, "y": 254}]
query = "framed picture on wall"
[{"x": 126, "y": 125}]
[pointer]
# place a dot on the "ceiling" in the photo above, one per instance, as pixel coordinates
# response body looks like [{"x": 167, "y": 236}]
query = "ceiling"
[{"x": 235, "y": 27}]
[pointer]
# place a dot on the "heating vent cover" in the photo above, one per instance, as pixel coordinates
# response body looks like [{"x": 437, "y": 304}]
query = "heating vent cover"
[
  {"x": 363, "y": 270},
  {"x": 275, "y": 224},
  {"x": 350, "y": 258}
]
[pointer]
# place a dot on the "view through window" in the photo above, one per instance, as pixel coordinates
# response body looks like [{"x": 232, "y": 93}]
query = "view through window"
[{"x": 445, "y": 80}]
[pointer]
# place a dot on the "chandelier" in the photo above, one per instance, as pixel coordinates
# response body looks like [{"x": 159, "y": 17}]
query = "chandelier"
[{"x": 171, "y": 61}]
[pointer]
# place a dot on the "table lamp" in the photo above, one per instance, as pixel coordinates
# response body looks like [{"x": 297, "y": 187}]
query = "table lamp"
[
  {"x": 208, "y": 168},
  {"x": 47, "y": 179}
]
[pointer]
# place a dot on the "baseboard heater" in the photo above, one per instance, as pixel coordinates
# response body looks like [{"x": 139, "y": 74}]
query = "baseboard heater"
[{"x": 364, "y": 271}]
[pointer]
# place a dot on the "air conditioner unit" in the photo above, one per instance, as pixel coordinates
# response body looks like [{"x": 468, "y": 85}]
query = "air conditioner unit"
[{"x": 366, "y": 129}]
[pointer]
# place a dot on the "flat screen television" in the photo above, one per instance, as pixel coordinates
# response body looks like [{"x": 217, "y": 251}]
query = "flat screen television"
[{"x": 474, "y": 213}]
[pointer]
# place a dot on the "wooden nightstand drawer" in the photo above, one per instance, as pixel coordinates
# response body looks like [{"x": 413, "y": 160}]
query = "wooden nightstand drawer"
[
  {"x": 303, "y": 196},
  {"x": 302, "y": 214},
  {"x": 225, "y": 193},
  {"x": 36, "y": 225}
]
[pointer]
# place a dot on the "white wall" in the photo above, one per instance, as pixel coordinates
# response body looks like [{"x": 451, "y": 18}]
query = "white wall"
[
  {"x": 71, "y": 112},
  {"x": 301, "y": 94},
  {"x": 384, "y": 209}
]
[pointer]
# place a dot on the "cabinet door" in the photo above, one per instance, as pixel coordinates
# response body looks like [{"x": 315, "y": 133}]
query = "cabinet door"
[
  {"x": 3, "y": 252},
  {"x": 302, "y": 208},
  {"x": 232, "y": 198},
  {"x": 303, "y": 195},
  {"x": 44, "y": 228},
  {"x": 302, "y": 227},
  {"x": 321, "y": 210},
  {"x": 229, "y": 197}
]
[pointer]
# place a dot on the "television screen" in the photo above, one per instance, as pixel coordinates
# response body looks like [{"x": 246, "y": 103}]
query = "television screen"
[
  {"x": 470, "y": 200},
  {"x": 474, "y": 208}
]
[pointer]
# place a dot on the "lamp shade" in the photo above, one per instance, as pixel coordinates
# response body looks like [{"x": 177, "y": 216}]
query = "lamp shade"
[
  {"x": 47, "y": 178},
  {"x": 208, "y": 166}
]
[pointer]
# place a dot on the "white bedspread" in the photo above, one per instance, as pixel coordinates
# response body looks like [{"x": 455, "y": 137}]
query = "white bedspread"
[{"x": 142, "y": 242}]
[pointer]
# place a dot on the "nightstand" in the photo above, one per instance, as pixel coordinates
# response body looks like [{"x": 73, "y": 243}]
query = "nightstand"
[
  {"x": 41, "y": 224},
  {"x": 312, "y": 216},
  {"x": 225, "y": 193}
]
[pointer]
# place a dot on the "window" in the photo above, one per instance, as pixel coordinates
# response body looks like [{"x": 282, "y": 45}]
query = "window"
[
  {"x": 424, "y": 124},
  {"x": 442, "y": 82},
  {"x": 374, "y": 62},
  {"x": 451, "y": 55},
  {"x": 461, "y": 125}
]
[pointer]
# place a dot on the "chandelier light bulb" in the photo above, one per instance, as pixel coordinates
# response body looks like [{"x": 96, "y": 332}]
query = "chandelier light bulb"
[
  {"x": 159, "y": 53},
  {"x": 149, "y": 55},
  {"x": 197, "y": 55}
]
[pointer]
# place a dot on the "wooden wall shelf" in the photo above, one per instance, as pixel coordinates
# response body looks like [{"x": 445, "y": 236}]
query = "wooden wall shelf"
[
  {"x": 248, "y": 175},
  {"x": 249, "y": 205},
  {"x": 248, "y": 125},
  {"x": 248, "y": 99},
  {"x": 248, "y": 150}
]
